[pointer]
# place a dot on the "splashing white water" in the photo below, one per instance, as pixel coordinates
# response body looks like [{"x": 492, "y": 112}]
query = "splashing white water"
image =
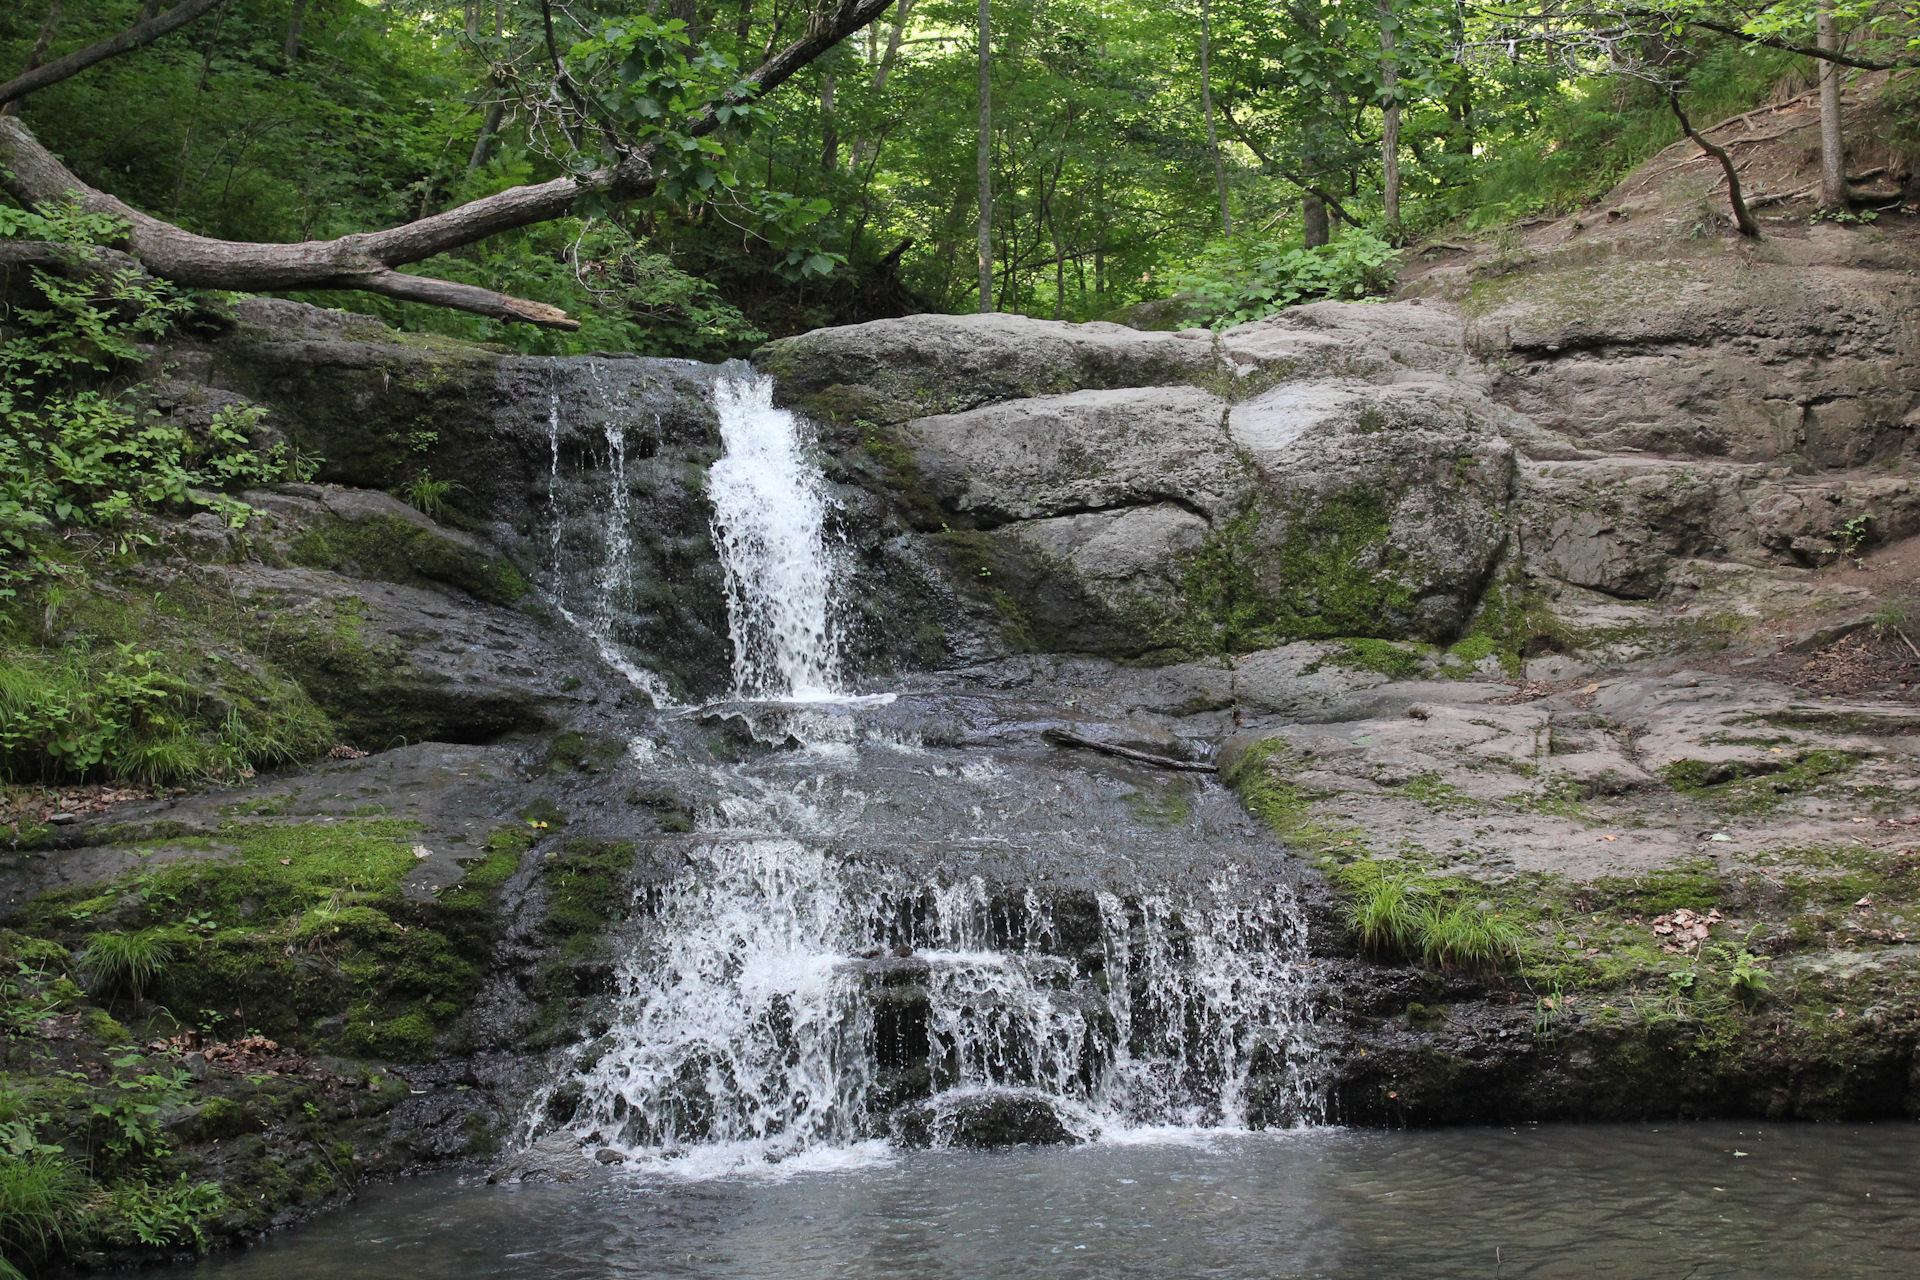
[
  {"x": 783, "y": 1003},
  {"x": 769, "y": 526}
]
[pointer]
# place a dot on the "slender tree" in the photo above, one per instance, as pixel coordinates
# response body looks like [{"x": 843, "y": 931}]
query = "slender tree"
[
  {"x": 1833, "y": 158},
  {"x": 1390, "y": 112},
  {"x": 1213, "y": 136},
  {"x": 1314, "y": 229},
  {"x": 984, "y": 159}
]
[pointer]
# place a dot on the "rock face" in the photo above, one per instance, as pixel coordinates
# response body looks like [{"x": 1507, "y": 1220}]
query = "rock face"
[{"x": 1337, "y": 470}]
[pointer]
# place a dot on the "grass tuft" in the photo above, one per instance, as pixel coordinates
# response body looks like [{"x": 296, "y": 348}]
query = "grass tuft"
[
  {"x": 38, "y": 1195},
  {"x": 126, "y": 962}
]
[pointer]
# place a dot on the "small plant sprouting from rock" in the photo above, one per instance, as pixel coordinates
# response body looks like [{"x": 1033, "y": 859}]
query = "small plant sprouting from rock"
[
  {"x": 1746, "y": 972},
  {"x": 1384, "y": 913},
  {"x": 1467, "y": 938},
  {"x": 428, "y": 496},
  {"x": 126, "y": 962}
]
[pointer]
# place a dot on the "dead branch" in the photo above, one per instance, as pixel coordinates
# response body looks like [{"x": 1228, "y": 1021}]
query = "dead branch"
[{"x": 1067, "y": 738}]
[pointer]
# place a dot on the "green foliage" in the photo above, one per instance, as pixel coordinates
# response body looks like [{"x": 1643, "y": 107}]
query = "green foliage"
[
  {"x": 126, "y": 963},
  {"x": 73, "y": 453},
  {"x": 74, "y": 714},
  {"x": 1381, "y": 656},
  {"x": 426, "y": 495},
  {"x": 1747, "y": 975},
  {"x": 1245, "y": 279},
  {"x": 127, "y": 712},
  {"x": 157, "y": 1214},
  {"x": 1385, "y": 914},
  {"x": 1398, "y": 916},
  {"x": 125, "y": 1120},
  {"x": 1467, "y": 937},
  {"x": 39, "y": 1196}
]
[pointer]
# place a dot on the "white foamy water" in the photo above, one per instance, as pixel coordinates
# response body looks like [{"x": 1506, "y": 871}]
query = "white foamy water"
[
  {"x": 782, "y": 1002},
  {"x": 769, "y": 526}
]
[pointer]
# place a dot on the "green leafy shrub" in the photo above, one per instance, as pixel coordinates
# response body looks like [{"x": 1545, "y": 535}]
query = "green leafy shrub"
[
  {"x": 68, "y": 714},
  {"x": 1246, "y": 279},
  {"x": 1396, "y": 916},
  {"x": 1385, "y": 914},
  {"x": 1463, "y": 937},
  {"x": 426, "y": 495},
  {"x": 156, "y": 1214},
  {"x": 74, "y": 450}
]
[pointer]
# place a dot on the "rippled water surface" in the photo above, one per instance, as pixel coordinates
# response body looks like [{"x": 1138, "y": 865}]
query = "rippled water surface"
[{"x": 1612, "y": 1200}]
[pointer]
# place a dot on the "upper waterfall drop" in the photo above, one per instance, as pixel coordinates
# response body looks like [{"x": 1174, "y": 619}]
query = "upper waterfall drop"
[{"x": 769, "y": 526}]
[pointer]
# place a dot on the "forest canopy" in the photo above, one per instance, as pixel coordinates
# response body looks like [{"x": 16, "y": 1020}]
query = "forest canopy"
[{"x": 1248, "y": 153}]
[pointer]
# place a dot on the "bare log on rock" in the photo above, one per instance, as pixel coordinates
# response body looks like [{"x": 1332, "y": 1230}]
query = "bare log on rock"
[{"x": 1067, "y": 738}]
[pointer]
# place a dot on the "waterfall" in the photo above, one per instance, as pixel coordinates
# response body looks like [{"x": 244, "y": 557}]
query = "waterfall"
[
  {"x": 784, "y": 1004},
  {"x": 769, "y": 525},
  {"x": 613, "y": 586},
  {"x": 785, "y": 1001}
]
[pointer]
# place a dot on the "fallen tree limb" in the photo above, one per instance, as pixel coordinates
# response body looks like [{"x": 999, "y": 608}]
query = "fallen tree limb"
[
  {"x": 367, "y": 261},
  {"x": 1067, "y": 738}
]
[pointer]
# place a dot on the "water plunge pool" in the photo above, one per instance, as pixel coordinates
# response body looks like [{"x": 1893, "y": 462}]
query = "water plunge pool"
[{"x": 1637, "y": 1201}]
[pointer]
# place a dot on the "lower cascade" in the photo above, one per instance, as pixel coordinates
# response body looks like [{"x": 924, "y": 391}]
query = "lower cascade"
[{"x": 789, "y": 1003}]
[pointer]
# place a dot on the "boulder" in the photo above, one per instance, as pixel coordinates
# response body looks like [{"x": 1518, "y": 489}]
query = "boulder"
[
  {"x": 1754, "y": 361},
  {"x": 1079, "y": 452},
  {"x": 393, "y": 662},
  {"x": 1382, "y": 508},
  {"x": 363, "y": 533},
  {"x": 985, "y": 1119},
  {"x": 555, "y": 1158},
  {"x": 1335, "y": 470},
  {"x": 890, "y": 371},
  {"x": 1374, "y": 342}
]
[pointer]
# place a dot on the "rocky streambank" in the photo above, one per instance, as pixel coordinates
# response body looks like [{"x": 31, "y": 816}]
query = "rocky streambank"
[{"x": 1567, "y": 593}]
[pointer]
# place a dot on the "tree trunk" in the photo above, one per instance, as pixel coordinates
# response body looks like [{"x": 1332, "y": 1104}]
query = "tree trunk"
[
  {"x": 829, "y": 135},
  {"x": 863, "y": 149},
  {"x": 1459, "y": 96},
  {"x": 41, "y": 44},
  {"x": 1833, "y": 152},
  {"x": 1213, "y": 137},
  {"x": 1742, "y": 216},
  {"x": 489, "y": 125},
  {"x": 1313, "y": 220},
  {"x": 1390, "y": 110},
  {"x": 298, "y": 20},
  {"x": 983, "y": 159},
  {"x": 901, "y": 12}
]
